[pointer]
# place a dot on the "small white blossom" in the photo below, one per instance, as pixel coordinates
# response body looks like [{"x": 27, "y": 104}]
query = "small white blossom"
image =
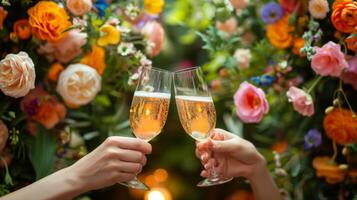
[{"x": 125, "y": 49}]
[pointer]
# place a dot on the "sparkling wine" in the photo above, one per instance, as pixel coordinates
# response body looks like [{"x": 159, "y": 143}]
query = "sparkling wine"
[
  {"x": 197, "y": 115},
  {"x": 148, "y": 113}
]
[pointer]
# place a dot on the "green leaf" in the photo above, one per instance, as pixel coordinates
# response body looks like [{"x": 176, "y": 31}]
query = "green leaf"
[{"x": 41, "y": 152}]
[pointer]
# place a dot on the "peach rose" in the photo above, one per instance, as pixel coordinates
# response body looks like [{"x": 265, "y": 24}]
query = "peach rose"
[
  {"x": 251, "y": 103},
  {"x": 79, "y": 7},
  {"x": 4, "y": 135},
  {"x": 239, "y": 4},
  {"x": 155, "y": 34},
  {"x": 48, "y": 21},
  {"x": 329, "y": 60},
  {"x": 43, "y": 108},
  {"x": 344, "y": 16},
  {"x": 3, "y": 14},
  {"x": 17, "y": 75},
  {"x": 301, "y": 100},
  {"x": 78, "y": 84},
  {"x": 229, "y": 26},
  {"x": 66, "y": 49}
]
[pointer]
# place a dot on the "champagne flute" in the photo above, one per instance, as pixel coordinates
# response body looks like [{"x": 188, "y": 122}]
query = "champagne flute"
[
  {"x": 196, "y": 111},
  {"x": 149, "y": 109}
]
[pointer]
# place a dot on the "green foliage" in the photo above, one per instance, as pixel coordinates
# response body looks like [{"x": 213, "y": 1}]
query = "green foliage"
[{"x": 41, "y": 151}]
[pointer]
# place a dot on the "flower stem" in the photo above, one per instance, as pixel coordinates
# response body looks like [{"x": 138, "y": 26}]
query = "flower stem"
[
  {"x": 334, "y": 145},
  {"x": 317, "y": 80},
  {"x": 340, "y": 89}
]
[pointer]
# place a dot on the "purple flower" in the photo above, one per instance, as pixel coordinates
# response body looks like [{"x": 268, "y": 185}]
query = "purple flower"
[
  {"x": 272, "y": 12},
  {"x": 312, "y": 139}
]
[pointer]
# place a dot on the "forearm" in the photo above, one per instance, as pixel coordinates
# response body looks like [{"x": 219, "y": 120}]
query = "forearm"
[
  {"x": 60, "y": 185},
  {"x": 263, "y": 185}
]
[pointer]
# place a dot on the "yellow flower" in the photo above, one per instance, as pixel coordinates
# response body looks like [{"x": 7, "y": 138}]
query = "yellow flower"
[
  {"x": 48, "y": 21},
  {"x": 3, "y": 14},
  {"x": 154, "y": 6},
  {"x": 95, "y": 59},
  {"x": 110, "y": 35}
]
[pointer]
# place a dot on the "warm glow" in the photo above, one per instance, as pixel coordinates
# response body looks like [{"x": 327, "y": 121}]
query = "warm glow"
[
  {"x": 161, "y": 175},
  {"x": 155, "y": 195}
]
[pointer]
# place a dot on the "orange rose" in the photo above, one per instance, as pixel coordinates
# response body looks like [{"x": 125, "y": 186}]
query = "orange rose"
[
  {"x": 43, "y": 108},
  {"x": 332, "y": 172},
  {"x": 351, "y": 42},
  {"x": 3, "y": 14},
  {"x": 344, "y": 16},
  {"x": 95, "y": 59},
  {"x": 55, "y": 71},
  {"x": 279, "y": 34},
  {"x": 340, "y": 126},
  {"x": 48, "y": 21},
  {"x": 22, "y": 29},
  {"x": 298, "y": 44}
]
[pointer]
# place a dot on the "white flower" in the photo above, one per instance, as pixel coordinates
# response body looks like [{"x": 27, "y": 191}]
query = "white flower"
[
  {"x": 318, "y": 8},
  {"x": 243, "y": 57},
  {"x": 17, "y": 75},
  {"x": 126, "y": 49},
  {"x": 78, "y": 85}
]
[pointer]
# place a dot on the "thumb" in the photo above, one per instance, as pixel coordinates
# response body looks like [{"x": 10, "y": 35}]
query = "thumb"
[{"x": 224, "y": 146}]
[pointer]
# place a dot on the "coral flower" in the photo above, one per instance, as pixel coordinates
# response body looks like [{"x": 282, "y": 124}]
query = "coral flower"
[
  {"x": 344, "y": 16},
  {"x": 340, "y": 126},
  {"x": 291, "y": 6},
  {"x": 298, "y": 44},
  {"x": 229, "y": 26},
  {"x": 110, "y": 35},
  {"x": 43, "y": 108},
  {"x": 280, "y": 33},
  {"x": 22, "y": 29},
  {"x": 95, "y": 59},
  {"x": 251, "y": 103},
  {"x": 351, "y": 42},
  {"x": 48, "y": 21},
  {"x": 154, "y": 6},
  {"x": 3, "y": 14},
  {"x": 155, "y": 35},
  {"x": 330, "y": 171}
]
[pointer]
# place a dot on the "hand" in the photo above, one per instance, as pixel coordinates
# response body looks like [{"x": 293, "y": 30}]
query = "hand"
[
  {"x": 232, "y": 156},
  {"x": 117, "y": 159}
]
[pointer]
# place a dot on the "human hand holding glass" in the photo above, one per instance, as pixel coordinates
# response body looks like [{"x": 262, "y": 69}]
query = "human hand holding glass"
[
  {"x": 149, "y": 109},
  {"x": 196, "y": 111}
]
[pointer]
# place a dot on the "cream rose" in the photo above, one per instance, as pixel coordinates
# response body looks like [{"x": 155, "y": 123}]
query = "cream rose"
[
  {"x": 79, "y": 7},
  {"x": 17, "y": 75},
  {"x": 78, "y": 84}
]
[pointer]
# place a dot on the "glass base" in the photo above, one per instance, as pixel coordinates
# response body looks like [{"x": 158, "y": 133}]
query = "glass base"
[
  {"x": 213, "y": 181},
  {"x": 136, "y": 184}
]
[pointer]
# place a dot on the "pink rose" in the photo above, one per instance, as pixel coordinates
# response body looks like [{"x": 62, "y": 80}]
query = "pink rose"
[
  {"x": 229, "y": 26},
  {"x": 155, "y": 35},
  {"x": 4, "y": 135},
  {"x": 329, "y": 60},
  {"x": 349, "y": 76},
  {"x": 17, "y": 75},
  {"x": 301, "y": 100},
  {"x": 251, "y": 103},
  {"x": 66, "y": 49},
  {"x": 79, "y": 7},
  {"x": 239, "y": 4}
]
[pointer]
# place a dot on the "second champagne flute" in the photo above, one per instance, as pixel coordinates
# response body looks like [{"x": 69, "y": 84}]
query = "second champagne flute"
[
  {"x": 149, "y": 108},
  {"x": 196, "y": 111}
]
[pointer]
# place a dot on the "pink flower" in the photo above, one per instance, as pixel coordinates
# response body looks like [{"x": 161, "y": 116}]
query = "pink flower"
[
  {"x": 67, "y": 49},
  {"x": 301, "y": 100},
  {"x": 17, "y": 75},
  {"x": 349, "y": 76},
  {"x": 239, "y": 4},
  {"x": 79, "y": 7},
  {"x": 329, "y": 60},
  {"x": 155, "y": 35},
  {"x": 229, "y": 26},
  {"x": 251, "y": 103}
]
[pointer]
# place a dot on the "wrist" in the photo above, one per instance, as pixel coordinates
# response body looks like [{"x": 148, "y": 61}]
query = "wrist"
[
  {"x": 259, "y": 171},
  {"x": 70, "y": 178}
]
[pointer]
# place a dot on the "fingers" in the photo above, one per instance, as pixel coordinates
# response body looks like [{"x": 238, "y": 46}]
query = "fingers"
[
  {"x": 129, "y": 143},
  {"x": 123, "y": 177},
  {"x": 223, "y": 133},
  {"x": 130, "y": 156},
  {"x": 127, "y": 167}
]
